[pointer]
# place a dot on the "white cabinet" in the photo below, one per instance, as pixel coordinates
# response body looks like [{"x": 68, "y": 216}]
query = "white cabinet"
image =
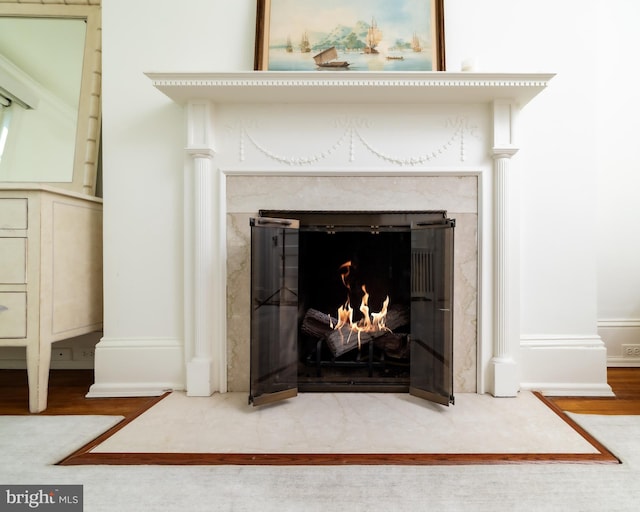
[{"x": 50, "y": 274}]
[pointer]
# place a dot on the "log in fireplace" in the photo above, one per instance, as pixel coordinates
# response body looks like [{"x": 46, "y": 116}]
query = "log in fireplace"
[{"x": 351, "y": 301}]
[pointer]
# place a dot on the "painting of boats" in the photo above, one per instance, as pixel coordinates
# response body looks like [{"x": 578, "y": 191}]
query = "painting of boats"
[{"x": 354, "y": 35}]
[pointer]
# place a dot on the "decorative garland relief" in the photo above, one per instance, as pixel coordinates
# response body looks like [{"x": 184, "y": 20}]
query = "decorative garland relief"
[{"x": 459, "y": 129}]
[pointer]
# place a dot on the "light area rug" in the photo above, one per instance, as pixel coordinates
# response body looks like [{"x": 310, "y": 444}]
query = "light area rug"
[
  {"x": 346, "y": 423},
  {"x": 31, "y": 445}
]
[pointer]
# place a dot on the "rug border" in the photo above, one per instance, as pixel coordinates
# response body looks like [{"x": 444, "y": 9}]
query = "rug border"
[{"x": 84, "y": 456}]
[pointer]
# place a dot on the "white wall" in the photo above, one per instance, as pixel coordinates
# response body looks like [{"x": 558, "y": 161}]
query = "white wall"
[
  {"x": 618, "y": 160},
  {"x": 558, "y": 176},
  {"x": 558, "y": 179},
  {"x": 143, "y": 161},
  {"x": 142, "y": 181}
]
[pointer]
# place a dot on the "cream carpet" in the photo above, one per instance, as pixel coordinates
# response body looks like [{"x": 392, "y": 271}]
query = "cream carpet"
[
  {"x": 349, "y": 423},
  {"x": 31, "y": 445}
]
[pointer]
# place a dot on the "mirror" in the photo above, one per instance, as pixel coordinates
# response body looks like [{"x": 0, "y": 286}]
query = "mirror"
[{"x": 50, "y": 70}]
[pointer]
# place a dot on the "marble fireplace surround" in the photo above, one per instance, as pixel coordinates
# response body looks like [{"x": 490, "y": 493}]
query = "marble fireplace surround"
[
  {"x": 375, "y": 141},
  {"x": 458, "y": 193}
]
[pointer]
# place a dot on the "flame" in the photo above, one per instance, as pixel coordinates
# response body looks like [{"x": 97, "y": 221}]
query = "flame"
[
  {"x": 370, "y": 321},
  {"x": 347, "y": 270}
]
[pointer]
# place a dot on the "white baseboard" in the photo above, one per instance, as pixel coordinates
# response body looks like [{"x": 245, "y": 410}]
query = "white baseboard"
[
  {"x": 137, "y": 367},
  {"x": 623, "y": 362},
  {"x": 126, "y": 390},
  {"x": 70, "y": 354},
  {"x": 21, "y": 364},
  {"x": 553, "y": 365},
  {"x": 564, "y": 365},
  {"x": 618, "y": 332},
  {"x": 571, "y": 389}
]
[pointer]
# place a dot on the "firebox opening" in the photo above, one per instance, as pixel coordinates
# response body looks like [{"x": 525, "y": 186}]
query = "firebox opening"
[{"x": 339, "y": 267}]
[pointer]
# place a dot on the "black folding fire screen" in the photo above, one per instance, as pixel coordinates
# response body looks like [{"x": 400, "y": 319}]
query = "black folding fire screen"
[{"x": 351, "y": 301}]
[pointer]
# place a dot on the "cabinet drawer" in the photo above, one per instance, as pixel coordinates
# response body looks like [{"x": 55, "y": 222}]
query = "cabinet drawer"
[
  {"x": 13, "y": 315},
  {"x": 13, "y": 260},
  {"x": 13, "y": 213}
]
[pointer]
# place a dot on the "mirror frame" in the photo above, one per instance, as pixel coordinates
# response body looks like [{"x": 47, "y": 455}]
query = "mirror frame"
[{"x": 85, "y": 161}]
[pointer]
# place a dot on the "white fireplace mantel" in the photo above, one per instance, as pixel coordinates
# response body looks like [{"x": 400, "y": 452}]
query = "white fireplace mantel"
[
  {"x": 205, "y": 245},
  {"x": 350, "y": 87}
]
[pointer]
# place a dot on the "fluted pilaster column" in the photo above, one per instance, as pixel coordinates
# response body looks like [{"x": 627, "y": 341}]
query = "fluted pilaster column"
[
  {"x": 504, "y": 378},
  {"x": 202, "y": 258},
  {"x": 199, "y": 365}
]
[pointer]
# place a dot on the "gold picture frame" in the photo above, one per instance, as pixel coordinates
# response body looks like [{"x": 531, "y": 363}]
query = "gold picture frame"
[{"x": 350, "y": 35}]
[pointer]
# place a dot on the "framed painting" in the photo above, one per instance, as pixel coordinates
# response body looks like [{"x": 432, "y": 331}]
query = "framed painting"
[{"x": 356, "y": 35}]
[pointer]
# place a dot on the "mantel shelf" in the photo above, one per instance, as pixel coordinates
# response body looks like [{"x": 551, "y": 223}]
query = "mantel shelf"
[{"x": 348, "y": 87}]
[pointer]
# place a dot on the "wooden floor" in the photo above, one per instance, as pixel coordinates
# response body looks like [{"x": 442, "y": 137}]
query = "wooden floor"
[
  {"x": 67, "y": 390},
  {"x": 625, "y": 383}
]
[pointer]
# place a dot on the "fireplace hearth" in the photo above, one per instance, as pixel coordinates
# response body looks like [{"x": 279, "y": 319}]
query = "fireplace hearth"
[{"x": 351, "y": 301}]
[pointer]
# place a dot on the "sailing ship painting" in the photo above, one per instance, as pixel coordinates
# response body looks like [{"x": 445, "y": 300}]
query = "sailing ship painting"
[
  {"x": 327, "y": 59},
  {"x": 305, "y": 47},
  {"x": 374, "y": 36},
  {"x": 415, "y": 43},
  {"x": 350, "y": 35}
]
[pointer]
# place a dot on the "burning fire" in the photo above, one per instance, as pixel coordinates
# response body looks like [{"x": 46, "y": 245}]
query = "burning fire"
[{"x": 370, "y": 321}]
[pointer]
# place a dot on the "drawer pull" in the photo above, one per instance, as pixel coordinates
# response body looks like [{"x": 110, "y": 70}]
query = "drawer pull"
[{"x": 3, "y": 308}]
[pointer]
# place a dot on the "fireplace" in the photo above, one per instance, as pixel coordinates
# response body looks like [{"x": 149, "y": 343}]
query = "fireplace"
[
  {"x": 267, "y": 139},
  {"x": 351, "y": 301}
]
